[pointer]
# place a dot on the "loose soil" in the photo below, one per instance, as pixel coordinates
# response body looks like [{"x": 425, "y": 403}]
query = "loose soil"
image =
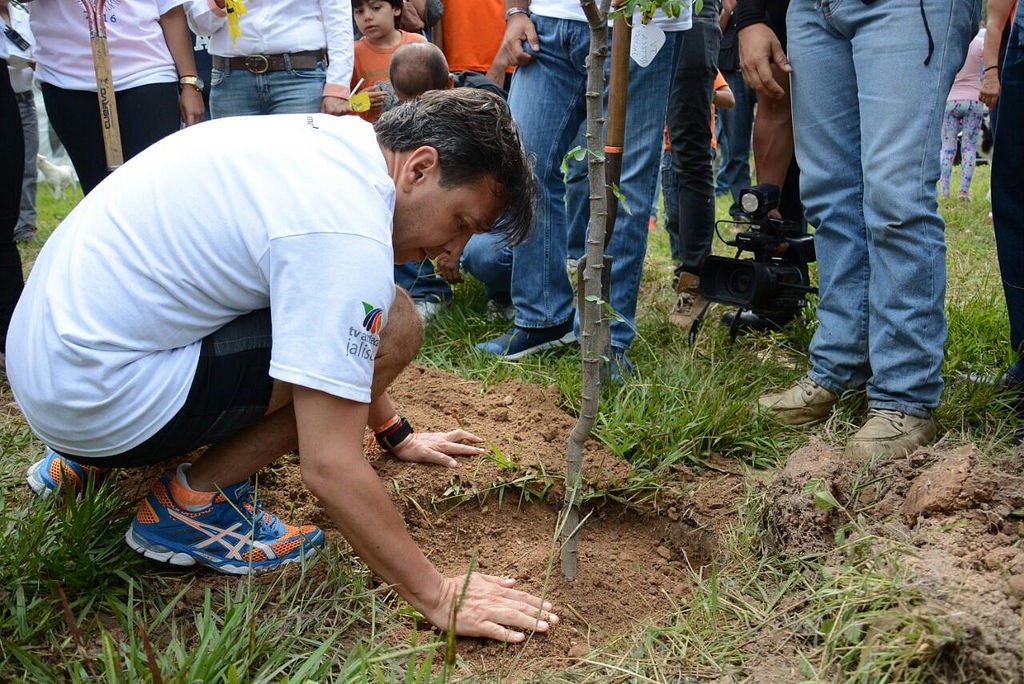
[{"x": 957, "y": 521}]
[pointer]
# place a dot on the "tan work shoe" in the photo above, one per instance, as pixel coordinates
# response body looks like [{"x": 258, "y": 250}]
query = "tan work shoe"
[
  {"x": 890, "y": 434},
  {"x": 804, "y": 403},
  {"x": 689, "y": 302}
]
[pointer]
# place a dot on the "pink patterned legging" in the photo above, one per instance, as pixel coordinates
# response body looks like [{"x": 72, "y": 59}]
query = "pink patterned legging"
[{"x": 960, "y": 115}]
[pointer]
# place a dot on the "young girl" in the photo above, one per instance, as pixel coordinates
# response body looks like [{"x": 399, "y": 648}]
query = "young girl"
[{"x": 378, "y": 21}]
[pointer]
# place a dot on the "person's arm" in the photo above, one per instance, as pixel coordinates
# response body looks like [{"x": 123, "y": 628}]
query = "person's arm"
[
  {"x": 724, "y": 98},
  {"x": 759, "y": 49},
  {"x": 728, "y": 7},
  {"x": 998, "y": 12},
  {"x": 179, "y": 42},
  {"x": 333, "y": 467},
  {"x": 518, "y": 28},
  {"x": 438, "y": 448},
  {"x": 337, "y": 18},
  {"x": 206, "y": 17}
]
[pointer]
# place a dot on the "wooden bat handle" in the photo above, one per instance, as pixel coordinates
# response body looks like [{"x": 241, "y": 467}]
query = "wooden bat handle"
[{"x": 108, "y": 105}]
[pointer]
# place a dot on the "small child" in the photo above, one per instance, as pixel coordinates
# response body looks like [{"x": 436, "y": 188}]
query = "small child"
[{"x": 378, "y": 21}]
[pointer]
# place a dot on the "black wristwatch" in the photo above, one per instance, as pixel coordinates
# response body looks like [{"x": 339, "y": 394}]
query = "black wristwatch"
[{"x": 391, "y": 437}]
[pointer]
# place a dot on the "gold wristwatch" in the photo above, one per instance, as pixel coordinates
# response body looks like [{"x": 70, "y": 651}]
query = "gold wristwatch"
[{"x": 193, "y": 81}]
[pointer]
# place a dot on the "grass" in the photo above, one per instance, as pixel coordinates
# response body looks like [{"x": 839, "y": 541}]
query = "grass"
[{"x": 77, "y": 605}]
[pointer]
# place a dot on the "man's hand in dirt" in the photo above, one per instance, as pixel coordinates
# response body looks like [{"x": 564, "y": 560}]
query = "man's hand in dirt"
[
  {"x": 759, "y": 48},
  {"x": 438, "y": 447},
  {"x": 490, "y": 607},
  {"x": 519, "y": 28}
]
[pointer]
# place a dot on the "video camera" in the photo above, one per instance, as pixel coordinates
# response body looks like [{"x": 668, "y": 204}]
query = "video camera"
[{"x": 775, "y": 278}]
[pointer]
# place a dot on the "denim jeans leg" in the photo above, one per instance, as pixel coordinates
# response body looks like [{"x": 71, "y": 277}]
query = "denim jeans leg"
[
  {"x": 547, "y": 100},
  {"x": 235, "y": 92},
  {"x": 489, "y": 261},
  {"x": 1008, "y": 181},
  {"x": 577, "y": 197},
  {"x": 642, "y": 147},
  {"x": 296, "y": 91},
  {"x": 670, "y": 195},
  {"x": 419, "y": 279},
  {"x": 870, "y": 166},
  {"x": 30, "y": 127}
]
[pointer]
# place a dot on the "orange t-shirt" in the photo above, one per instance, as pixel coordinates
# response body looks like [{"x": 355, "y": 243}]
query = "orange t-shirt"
[
  {"x": 372, "y": 63},
  {"x": 720, "y": 83},
  {"x": 473, "y": 31}
]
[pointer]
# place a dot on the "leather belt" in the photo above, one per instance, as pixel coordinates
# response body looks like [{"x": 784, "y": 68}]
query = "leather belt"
[{"x": 261, "y": 64}]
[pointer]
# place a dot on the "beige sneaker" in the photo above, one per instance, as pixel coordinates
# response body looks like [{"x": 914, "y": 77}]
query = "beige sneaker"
[
  {"x": 804, "y": 403},
  {"x": 890, "y": 434},
  {"x": 689, "y": 302}
]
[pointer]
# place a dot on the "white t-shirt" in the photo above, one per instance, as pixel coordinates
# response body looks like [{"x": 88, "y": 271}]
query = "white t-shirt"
[
  {"x": 571, "y": 9},
  {"x": 138, "y": 51},
  {"x": 293, "y": 212}
]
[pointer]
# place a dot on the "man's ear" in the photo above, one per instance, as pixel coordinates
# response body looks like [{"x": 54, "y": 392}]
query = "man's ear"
[
  {"x": 451, "y": 81},
  {"x": 422, "y": 164}
]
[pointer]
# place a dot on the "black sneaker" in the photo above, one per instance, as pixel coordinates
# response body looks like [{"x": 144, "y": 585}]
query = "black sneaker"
[{"x": 518, "y": 342}]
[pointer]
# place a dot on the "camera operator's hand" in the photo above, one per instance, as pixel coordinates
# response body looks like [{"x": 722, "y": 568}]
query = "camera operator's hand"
[{"x": 759, "y": 48}]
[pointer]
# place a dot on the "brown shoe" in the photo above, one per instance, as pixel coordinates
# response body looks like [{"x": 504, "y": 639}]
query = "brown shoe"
[
  {"x": 805, "y": 403},
  {"x": 689, "y": 302},
  {"x": 890, "y": 434}
]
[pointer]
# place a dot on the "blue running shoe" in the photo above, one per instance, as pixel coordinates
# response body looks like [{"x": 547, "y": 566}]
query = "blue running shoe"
[
  {"x": 55, "y": 474},
  {"x": 518, "y": 342},
  {"x": 228, "y": 530}
]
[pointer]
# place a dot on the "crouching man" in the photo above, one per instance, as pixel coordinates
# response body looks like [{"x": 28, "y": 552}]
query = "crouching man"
[{"x": 231, "y": 287}]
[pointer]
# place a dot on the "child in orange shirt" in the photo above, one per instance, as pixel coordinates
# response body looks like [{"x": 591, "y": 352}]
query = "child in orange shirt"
[{"x": 378, "y": 21}]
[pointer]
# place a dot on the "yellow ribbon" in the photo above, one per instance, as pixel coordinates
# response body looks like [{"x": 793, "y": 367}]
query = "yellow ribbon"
[{"x": 235, "y": 9}]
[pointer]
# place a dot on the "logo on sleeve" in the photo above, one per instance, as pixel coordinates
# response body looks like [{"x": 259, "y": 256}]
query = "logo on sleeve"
[
  {"x": 374, "y": 319},
  {"x": 363, "y": 342}
]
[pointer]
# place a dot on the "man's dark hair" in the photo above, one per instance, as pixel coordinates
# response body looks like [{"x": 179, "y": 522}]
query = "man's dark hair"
[
  {"x": 397, "y": 4},
  {"x": 416, "y": 68},
  {"x": 475, "y": 137}
]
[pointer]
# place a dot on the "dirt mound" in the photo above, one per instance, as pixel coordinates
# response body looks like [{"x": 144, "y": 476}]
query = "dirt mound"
[
  {"x": 956, "y": 522},
  {"x": 503, "y": 507}
]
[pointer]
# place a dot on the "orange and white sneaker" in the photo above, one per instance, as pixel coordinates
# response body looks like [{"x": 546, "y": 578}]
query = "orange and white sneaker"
[
  {"x": 227, "y": 530},
  {"x": 56, "y": 474}
]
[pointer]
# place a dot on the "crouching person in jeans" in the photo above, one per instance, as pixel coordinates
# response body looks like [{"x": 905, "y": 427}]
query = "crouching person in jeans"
[{"x": 244, "y": 301}]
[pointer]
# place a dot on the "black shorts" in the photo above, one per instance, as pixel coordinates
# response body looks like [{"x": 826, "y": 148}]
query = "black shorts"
[{"x": 230, "y": 392}]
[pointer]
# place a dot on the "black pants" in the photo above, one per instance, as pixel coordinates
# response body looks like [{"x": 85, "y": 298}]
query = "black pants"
[
  {"x": 146, "y": 114},
  {"x": 689, "y": 131},
  {"x": 12, "y": 161}
]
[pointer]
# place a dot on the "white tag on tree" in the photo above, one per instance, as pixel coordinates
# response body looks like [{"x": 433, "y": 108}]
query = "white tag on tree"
[{"x": 647, "y": 39}]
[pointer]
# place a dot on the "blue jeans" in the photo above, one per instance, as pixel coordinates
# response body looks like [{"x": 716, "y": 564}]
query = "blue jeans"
[
  {"x": 419, "y": 279},
  {"x": 1008, "y": 181},
  {"x": 241, "y": 93},
  {"x": 487, "y": 260},
  {"x": 868, "y": 99},
  {"x": 738, "y": 124},
  {"x": 547, "y": 99}
]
